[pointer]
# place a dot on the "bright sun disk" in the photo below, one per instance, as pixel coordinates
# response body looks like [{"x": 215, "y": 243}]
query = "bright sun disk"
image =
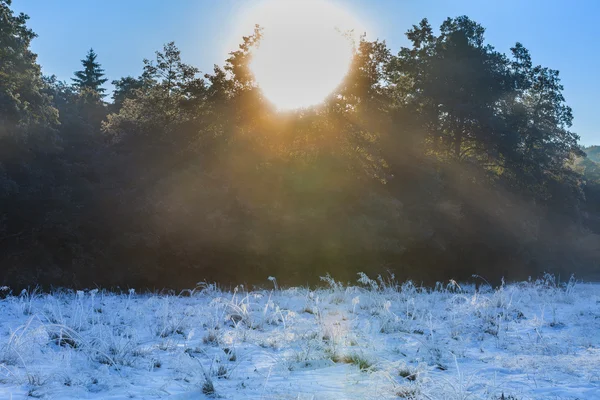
[{"x": 303, "y": 55}]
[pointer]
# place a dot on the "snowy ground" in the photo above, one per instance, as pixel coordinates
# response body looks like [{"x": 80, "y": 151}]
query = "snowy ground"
[{"x": 373, "y": 340}]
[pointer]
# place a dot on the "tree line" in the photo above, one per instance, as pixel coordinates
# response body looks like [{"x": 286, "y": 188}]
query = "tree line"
[{"x": 445, "y": 159}]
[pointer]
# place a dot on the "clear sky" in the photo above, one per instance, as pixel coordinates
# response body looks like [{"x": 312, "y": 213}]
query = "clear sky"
[{"x": 561, "y": 34}]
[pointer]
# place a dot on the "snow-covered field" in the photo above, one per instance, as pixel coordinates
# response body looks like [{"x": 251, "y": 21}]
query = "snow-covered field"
[{"x": 372, "y": 340}]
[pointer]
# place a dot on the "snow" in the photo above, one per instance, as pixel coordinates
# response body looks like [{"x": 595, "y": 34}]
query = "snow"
[{"x": 375, "y": 339}]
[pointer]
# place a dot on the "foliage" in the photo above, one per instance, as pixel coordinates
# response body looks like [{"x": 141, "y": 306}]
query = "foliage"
[
  {"x": 91, "y": 77},
  {"x": 446, "y": 159},
  {"x": 125, "y": 88}
]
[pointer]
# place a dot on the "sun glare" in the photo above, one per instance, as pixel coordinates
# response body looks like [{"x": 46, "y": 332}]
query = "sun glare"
[{"x": 303, "y": 55}]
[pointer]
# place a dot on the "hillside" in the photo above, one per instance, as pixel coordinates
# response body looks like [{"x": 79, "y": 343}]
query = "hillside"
[{"x": 593, "y": 153}]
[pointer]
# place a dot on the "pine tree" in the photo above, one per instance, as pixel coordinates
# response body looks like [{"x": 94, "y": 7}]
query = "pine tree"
[{"x": 91, "y": 77}]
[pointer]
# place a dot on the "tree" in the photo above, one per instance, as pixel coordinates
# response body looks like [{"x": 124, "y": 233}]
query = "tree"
[
  {"x": 91, "y": 77},
  {"x": 22, "y": 101},
  {"x": 479, "y": 107},
  {"x": 125, "y": 88},
  {"x": 547, "y": 148},
  {"x": 456, "y": 82},
  {"x": 169, "y": 71},
  {"x": 156, "y": 102},
  {"x": 40, "y": 188},
  {"x": 80, "y": 111},
  {"x": 87, "y": 104},
  {"x": 447, "y": 156}
]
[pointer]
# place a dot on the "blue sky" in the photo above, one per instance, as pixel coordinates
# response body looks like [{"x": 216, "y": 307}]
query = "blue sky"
[{"x": 560, "y": 34}]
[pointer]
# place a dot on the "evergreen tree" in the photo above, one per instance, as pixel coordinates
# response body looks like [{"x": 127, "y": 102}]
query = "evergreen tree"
[{"x": 91, "y": 77}]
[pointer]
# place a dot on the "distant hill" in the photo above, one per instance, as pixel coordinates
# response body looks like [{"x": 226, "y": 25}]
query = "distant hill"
[
  {"x": 590, "y": 165},
  {"x": 593, "y": 153}
]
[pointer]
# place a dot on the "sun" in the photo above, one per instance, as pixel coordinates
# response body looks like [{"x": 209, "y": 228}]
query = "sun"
[{"x": 303, "y": 54}]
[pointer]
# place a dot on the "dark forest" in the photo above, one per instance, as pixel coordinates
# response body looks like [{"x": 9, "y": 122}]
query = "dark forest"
[{"x": 444, "y": 159}]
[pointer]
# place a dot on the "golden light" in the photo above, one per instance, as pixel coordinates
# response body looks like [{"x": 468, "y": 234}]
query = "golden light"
[{"x": 303, "y": 55}]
